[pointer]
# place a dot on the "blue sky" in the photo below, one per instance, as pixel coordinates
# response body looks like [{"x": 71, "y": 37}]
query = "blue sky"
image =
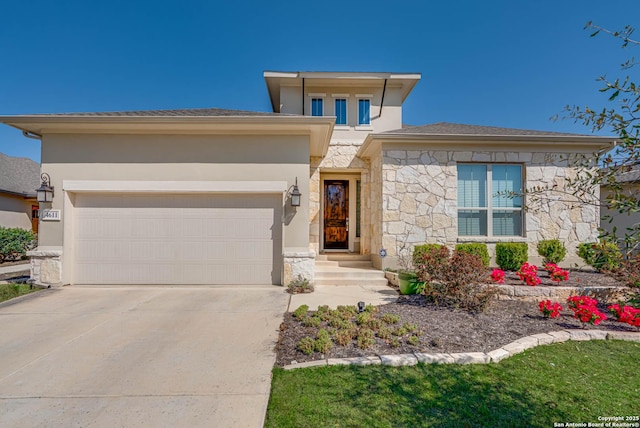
[{"x": 510, "y": 63}]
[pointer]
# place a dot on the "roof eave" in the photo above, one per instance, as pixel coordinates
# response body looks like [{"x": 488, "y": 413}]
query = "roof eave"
[
  {"x": 553, "y": 143},
  {"x": 318, "y": 128}
]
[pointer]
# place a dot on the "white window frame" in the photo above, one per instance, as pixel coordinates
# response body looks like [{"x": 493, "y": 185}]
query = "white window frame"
[
  {"x": 344, "y": 97},
  {"x": 369, "y": 98},
  {"x": 489, "y": 209}
]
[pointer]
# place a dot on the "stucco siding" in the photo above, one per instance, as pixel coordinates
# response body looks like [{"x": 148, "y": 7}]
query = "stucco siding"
[
  {"x": 178, "y": 158},
  {"x": 15, "y": 211}
]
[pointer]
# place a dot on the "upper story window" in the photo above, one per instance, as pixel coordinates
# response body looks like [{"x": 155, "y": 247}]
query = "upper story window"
[
  {"x": 364, "y": 111},
  {"x": 341, "y": 111},
  {"x": 481, "y": 210},
  {"x": 317, "y": 108}
]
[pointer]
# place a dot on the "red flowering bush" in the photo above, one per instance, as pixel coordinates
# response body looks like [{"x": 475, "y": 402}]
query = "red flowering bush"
[
  {"x": 626, "y": 314},
  {"x": 550, "y": 310},
  {"x": 556, "y": 273},
  {"x": 529, "y": 274},
  {"x": 585, "y": 309},
  {"x": 497, "y": 275},
  {"x": 575, "y": 301}
]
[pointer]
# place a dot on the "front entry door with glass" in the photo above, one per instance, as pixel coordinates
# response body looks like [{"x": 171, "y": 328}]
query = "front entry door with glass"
[{"x": 336, "y": 214}]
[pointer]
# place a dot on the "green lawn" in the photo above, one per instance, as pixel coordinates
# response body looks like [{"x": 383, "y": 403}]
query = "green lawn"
[
  {"x": 9, "y": 291},
  {"x": 567, "y": 382}
]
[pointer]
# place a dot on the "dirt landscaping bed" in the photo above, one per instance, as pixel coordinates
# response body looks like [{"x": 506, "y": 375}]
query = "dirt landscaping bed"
[{"x": 446, "y": 330}]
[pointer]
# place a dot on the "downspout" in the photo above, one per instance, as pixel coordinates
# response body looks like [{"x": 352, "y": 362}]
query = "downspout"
[
  {"x": 303, "y": 96},
  {"x": 384, "y": 89},
  {"x": 32, "y": 135}
]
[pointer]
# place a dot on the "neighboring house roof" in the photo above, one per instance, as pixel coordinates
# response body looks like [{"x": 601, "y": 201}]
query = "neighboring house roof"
[
  {"x": 197, "y": 112},
  {"x": 19, "y": 176},
  {"x": 632, "y": 175},
  {"x": 448, "y": 128}
]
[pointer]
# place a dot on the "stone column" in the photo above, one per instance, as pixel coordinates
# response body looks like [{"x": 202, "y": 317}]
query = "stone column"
[
  {"x": 299, "y": 263},
  {"x": 46, "y": 268}
]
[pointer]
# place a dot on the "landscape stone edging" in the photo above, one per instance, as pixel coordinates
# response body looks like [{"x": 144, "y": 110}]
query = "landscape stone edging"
[{"x": 506, "y": 351}]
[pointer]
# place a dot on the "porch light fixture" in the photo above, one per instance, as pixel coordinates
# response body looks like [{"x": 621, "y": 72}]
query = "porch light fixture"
[
  {"x": 45, "y": 192},
  {"x": 295, "y": 195}
]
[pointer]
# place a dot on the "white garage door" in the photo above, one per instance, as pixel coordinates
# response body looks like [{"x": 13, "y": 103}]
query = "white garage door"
[{"x": 177, "y": 239}]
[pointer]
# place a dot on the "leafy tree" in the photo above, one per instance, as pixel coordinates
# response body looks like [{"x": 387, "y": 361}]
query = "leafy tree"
[{"x": 623, "y": 119}]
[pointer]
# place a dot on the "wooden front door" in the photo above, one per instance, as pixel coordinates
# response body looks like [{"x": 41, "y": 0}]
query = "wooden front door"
[
  {"x": 336, "y": 214},
  {"x": 35, "y": 213}
]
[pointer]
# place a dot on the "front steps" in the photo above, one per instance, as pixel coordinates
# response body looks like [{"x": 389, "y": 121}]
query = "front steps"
[{"x": 347, "y": 269}]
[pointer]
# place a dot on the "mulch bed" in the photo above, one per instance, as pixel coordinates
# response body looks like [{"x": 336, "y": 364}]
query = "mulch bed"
[{"x": 453, "y": 330}]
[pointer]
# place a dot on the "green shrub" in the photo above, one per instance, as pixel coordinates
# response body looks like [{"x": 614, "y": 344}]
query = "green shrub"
[
  {"x": 552, "y": 250},
  {"x": 301, "y": 312},
  {"x": 323, "y": 341},
  {"x": 343, "y": 336},
  {"x": 15, "y": 242},
  {"x": 347, "y": 311},
  {"x": 365, "y": 338},
  {"x": 307, "y": 345},
  {"x": 420, "y": 250},
  {"x": 374, "y": 324},
  {"x": 391, "y": 318},
  {"x": 602, "y": 256},
  {"x": 313, "y": 321},
  {"x": 363, "y": 318},
  {"x": 477, "y": 249},
  {"x": 414, "y": 340},
  {"x": 511, "y": 255},
  {"x": 395, "y": 342},
  {"x": 384, "y": 333}
]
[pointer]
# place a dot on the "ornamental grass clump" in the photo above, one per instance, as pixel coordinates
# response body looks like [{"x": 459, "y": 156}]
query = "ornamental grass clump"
[
  {"x": 550, "y": 310},
  {"x": 585, "y": 309}
]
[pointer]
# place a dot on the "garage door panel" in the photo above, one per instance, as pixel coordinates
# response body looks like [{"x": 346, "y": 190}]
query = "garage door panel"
[{"x": 177, "y": 239}]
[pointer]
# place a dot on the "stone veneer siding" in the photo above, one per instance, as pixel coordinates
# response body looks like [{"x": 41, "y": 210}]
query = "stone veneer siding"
[
  {"x": 419, "y": 201},
  {"x": 46, "y": 268},
  {"x": 341, "y": 157}
]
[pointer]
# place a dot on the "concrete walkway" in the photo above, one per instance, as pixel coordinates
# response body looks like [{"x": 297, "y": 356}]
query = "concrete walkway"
[
  {"x": 334, "y": 295},
  {"x": 9, "y": 271},
  {"x": 139, "y": 356}
]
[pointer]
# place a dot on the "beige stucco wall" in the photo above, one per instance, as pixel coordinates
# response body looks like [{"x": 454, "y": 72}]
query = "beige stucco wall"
[
  {"x": 15, "y": 211},
  {"x": 391, "y": 117},
  {"x": 178, "y": 158},
  {"x": 419, "y": 201},
  {"x": 621, "y": 221}
]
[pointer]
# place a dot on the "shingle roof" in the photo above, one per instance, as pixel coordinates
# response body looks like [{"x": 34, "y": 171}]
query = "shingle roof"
[
  {"x": 19, "y": 175},
  {"x": 447, "y": 128},
  {"x": 164, "y": 113},
  {"x": 631, "y": 176}
]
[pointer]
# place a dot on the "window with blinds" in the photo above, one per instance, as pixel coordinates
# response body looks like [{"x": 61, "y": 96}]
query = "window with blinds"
[{"x": 485, "y": 205}]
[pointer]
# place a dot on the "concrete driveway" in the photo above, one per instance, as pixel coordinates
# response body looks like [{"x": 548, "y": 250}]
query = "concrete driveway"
[{"x": 139, "y": 356}]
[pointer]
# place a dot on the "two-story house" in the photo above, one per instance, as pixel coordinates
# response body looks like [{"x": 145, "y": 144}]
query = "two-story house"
[{"x": 214, "y": 196}]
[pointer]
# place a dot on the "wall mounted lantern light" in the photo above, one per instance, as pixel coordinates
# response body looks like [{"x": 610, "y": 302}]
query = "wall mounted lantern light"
[
  {"x": 45, "y": 192},
  {"x": 295, "y": 195}
]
